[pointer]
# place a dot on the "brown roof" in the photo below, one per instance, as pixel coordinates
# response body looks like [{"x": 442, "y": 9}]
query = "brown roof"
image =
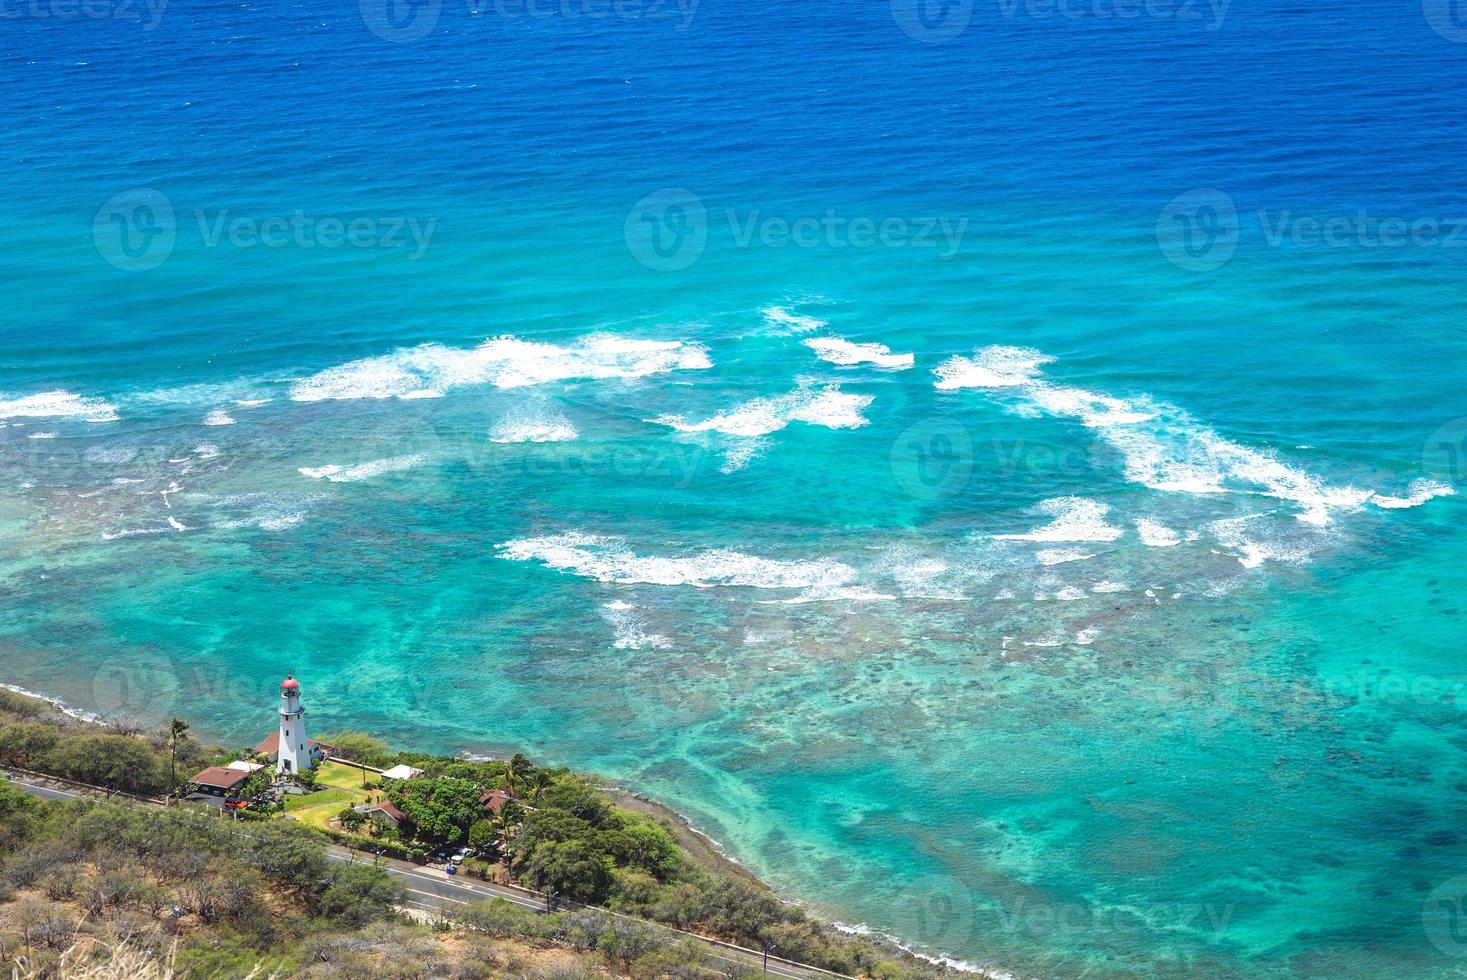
[
  {"x": 220, "y": 777},
  {"x": 386, "y": 807},
  {"x": 271, "y": 745},
  {"x": 494, "y": 799}
]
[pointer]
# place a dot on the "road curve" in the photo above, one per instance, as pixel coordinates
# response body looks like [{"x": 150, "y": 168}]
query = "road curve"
[{"x": 434, "y": 890}]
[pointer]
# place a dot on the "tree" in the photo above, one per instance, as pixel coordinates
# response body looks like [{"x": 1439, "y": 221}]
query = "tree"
[
  {"x": 642, "y": 843},
  {"x": 540, "y": 780},
  {"x": 177, "y": 732},
  {"x": 118, "y": 761},
  {"x": 570, "y": 869},
  {"x": 358, "y": 747},
  {"x": 23, "y": 744},
  {"x": 441, "y": 809},
  {"x": 359, "y": 895},
  {"x": 483, "y": 835},
  {"x": 518, "y": 773}
]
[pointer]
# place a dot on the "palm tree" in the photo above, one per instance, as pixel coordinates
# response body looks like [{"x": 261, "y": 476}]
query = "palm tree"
[
  {"x": 518, "y": 772},
  {"x": 505, "y": 820},
  {"x": 177, "y": 731},
  {"x": 540, "y": 781}
]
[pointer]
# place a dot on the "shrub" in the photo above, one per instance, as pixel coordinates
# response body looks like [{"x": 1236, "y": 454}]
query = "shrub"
[{"x": 360, "y": 894}]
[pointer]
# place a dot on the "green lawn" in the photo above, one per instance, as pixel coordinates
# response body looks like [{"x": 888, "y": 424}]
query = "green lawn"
[
  {"x": 340, "y": 786},
  {"x": 321, "y": 797},
  {"x": 342, "y": 777}
]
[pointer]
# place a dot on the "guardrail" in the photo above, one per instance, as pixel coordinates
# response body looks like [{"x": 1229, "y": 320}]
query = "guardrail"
[
  {"x": 541, "y": 897},
  {"x": 88, "y": 788}
]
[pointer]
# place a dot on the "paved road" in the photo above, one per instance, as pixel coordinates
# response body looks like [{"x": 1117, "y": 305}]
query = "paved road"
[{"x": 433, "y": 889}]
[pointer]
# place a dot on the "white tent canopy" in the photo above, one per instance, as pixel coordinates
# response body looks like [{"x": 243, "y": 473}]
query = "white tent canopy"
[{"x": 401, "y": 772}]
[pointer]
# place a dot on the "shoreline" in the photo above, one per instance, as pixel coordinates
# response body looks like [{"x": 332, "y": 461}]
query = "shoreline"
[{"x": 705, "y": 851}]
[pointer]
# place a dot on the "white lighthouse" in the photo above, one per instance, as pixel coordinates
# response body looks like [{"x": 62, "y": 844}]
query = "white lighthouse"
[{"x": 295, "y": 751}]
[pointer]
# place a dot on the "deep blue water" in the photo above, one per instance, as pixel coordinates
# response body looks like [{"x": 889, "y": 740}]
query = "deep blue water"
[{"x": 1114, "y": 632}]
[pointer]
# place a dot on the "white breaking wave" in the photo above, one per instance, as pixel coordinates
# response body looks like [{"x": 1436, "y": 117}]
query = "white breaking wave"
[
  {"x": 1162, "y": 447},
  {"x": 827, "y": 406},
  {"x": 505, "y": 362},
  {"x": 1253, "y": 551},
  {"x": 362, "y": 471},
  {"x": 552, "y": 428},
  {"x": 1418, "y": 493},
  {"x": 1074, "y": 519},
  {"x": 218, "y": 417},
  {"x": 58, "y": 405},
  {"x": 608, "y": 559},
  {"x": 994, "y": 367},
  {"x": 787, "y": 321},
  {"x": 1060, "y": 556},
  {"x": 41, "y": 435},
  {"x": 1155, "y": 535},
  {"x": 630, "y": 629},
  {"x": 844, "y": 352}
]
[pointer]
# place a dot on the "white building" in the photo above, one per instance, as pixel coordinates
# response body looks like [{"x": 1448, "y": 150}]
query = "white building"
[{"x": 289, "y": 748}]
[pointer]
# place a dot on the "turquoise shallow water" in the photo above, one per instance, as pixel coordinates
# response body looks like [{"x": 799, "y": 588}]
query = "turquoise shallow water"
[{"x": 1115, "y": 634}]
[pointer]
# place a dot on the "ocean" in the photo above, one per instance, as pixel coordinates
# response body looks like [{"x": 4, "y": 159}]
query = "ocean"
[{"x": 995, "y": 467}]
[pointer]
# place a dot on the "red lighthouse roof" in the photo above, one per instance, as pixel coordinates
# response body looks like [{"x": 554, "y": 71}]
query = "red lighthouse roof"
[{"x": 290, "y": 684}]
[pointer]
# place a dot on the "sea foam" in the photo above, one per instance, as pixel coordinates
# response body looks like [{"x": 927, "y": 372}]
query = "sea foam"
[
  {"x": 58, "y": 405},
  {"x": 823, "y": 405},
  {"x": 1074, "y": 519},
  {"x": 1417, "y": 494},
  {"x": 784, "y": 320},
  {"x": 533, "y": 428},
  {"x": 362, "y": 471},
  {"x": 608, "y": 559},
  {"x": 848, "y": 354},
  {"x": 827, "y": 406},
  {"x": 630, "y": 628},
  {"x": 504, "y": 362},
  {"x": 1161, "y": 446}
]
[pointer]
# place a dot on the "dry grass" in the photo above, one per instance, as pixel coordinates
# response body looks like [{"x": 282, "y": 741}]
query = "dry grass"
[{"x": 86, "y": 959}]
